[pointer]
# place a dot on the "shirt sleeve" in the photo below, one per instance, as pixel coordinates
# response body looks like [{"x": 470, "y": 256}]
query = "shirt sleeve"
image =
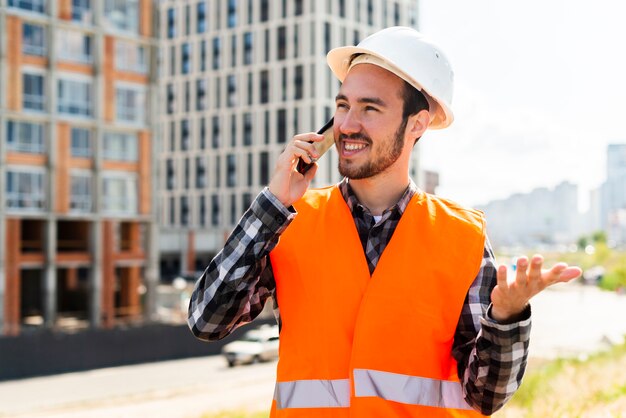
[
  {"x": 238, "y": 281},
  {"x": 491, "y": 356}
]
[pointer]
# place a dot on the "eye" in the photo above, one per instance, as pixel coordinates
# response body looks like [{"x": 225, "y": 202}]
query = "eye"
[
  {"x": 370, "y": 109},
  {"x": 341, "y": 105}
]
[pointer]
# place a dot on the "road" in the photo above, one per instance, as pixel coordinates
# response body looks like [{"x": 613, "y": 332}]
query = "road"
[{"x": 568, "y": 320}]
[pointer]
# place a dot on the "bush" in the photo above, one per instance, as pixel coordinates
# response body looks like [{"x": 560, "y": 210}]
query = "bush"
[{"x": 614, "y": 280}]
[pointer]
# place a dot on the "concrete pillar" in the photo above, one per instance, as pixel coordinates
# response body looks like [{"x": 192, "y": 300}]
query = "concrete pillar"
[
  {"x": 95, "y": 275},
  {"x": 108, "y": 275},
  {"x": 50, "y": 276},
  {"x": 12, "y": 294}
]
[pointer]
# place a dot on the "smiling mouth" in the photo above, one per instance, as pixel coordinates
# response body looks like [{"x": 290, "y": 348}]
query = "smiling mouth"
[{"x": 349, "y": 149}]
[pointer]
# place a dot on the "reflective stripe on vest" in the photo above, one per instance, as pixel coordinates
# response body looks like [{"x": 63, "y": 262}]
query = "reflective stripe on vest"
[
  {"x": 313, "y": 394},
  {"x": 411, "y": 390}
]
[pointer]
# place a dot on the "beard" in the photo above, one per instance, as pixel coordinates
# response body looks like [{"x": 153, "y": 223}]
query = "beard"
[{"x": 389, "y": 154}]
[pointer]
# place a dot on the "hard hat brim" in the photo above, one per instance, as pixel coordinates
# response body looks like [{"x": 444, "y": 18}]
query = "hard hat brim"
[{"x": 339, "y": 60}]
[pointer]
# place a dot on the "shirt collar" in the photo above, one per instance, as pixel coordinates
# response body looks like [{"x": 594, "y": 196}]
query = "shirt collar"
[{"x": 353, "y": 203}]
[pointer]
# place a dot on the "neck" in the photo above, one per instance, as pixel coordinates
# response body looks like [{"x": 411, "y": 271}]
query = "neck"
[{"x": 380, "y": 192}]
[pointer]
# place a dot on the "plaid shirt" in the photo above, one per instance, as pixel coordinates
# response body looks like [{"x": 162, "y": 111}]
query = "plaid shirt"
[{"x": 233, "y": 289}]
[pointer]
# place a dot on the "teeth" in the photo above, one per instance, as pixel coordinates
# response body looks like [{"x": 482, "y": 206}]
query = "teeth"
[{"x": 354, "y": 147}]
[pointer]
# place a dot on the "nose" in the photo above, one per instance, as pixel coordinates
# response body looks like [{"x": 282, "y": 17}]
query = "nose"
[{"x": 348, "y": 123}]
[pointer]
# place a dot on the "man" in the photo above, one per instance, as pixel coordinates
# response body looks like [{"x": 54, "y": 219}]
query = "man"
[{"x": 389, "y": 300}]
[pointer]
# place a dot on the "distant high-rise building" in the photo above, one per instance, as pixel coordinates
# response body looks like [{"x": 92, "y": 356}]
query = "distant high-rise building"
[
  {"x": 613, "y": 191},
  {"x": 238, "y": 79},
  {"x": 76, "y": 162},
  {"x": 542, "y": 216}
]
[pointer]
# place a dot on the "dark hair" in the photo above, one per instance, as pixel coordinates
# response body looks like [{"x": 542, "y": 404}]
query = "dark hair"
[{"x": 414, "y": 101}]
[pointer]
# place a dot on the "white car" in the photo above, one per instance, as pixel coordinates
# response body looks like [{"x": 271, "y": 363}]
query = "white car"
[{"x": 256, "y": 345}]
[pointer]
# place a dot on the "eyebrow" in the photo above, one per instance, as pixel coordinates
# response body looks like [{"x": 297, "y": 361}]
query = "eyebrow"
[{"x": 372, "y": 100}]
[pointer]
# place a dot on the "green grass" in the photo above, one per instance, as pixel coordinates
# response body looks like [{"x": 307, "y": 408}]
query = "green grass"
[{"x": 587, "y": 387}]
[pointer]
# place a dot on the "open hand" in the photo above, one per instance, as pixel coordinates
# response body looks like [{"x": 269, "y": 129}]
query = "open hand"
[{"x": 510, "y": 297}]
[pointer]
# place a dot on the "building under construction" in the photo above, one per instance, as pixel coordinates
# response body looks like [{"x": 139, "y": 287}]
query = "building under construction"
[{"x": 76, "y": 163}]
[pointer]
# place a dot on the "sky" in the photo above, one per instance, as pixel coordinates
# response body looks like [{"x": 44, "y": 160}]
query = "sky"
[{"x": 540, "y": 91}]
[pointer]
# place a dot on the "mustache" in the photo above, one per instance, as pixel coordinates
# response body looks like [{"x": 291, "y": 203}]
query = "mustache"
[{"x": 357, "y": 136}]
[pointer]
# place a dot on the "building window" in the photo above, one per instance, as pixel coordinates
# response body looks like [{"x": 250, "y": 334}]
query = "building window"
[
  {"x": 267, "y": 45},
  {"x": 215, "y": 138},
  {"x": 33, "y": 39},
  {"x": 249, "y": 173},
  {"x": 233, "y": 51},
  {"x": 81, "y": 11},
  {"x": 231, "y": 170},
  {"x": 264, "y": 166},
  {"x": 74, "y": 46},
  {"x": 266, "y": 126},
  {"x": 200, "y": 173},
  {"x": 184, "y": 135},
  {"x": 264, "y": 93},
  {"x": 202, "y": 62},
  {"x": 247, "y": 48},
  {"x": 246, "y": 201},
  {"x": 170, "y": 176},
  {"x": 247, "y": 129},
  {"x": 37, "y": 6},
  {"x": 25, "y": 137},
  {"x": 201, "y": 100},
  {"x": 75, "y": 97},
  {"x": 299, "y": 7},
  {"x": 281, "y": 49},
  {"x": 187, "y": 173},
  {"x": 218, "y": 171},
  {"x": 396, "y": 14},
  {"x": 80, "y": 143},
  {"x": 296, "y": 40},
  {"x": 250, "y": 89},
  {"x": 173, "y": 60},
  {"x": 25, "y": 189},
  {"x": 187, "y": 96},
  {"x": 185, "y": 58},
  {"x": 233, "y": 209},
  {"x": 33, "y": 94},
  {"x": 122, "y": 14},
  {"x": 218, "y": 92},
  {"x": 281, "y": 126},
  {"x": 217, "y": 45},
  {"x": 184, "y": 210},
  {"x": 264, "y": 8},
  {"x": 201, "y": 17},
  {"x": 202, "y": 136},
  {"x": 80, "y": 193},
  {"x": 370, "y": 12},
  {"x": 232, "y": 13},
  {"x": 231, "y": 99},
  {"x": 170, "y": 98},
  {"x": 187, "y": 20},
  {"x": 130, "y": 103},
  {"x": 299, "y": 82},
  {"x": 131, "y": 57},
  {"x": 172, "y": 211},
  {"x": 327, "y": 37},
  {"x": 283, "y": 82},
  {"x": 120, "y": 146},
  {"x": 201, "y": 210},
  {"x": 250, "y": 11},
  {"x": 215, "y": 210},
  {"x": 119, "y": 193}
]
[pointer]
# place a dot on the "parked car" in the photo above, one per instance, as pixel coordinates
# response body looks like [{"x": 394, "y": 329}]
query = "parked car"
[{"x": 256, "y": 345}]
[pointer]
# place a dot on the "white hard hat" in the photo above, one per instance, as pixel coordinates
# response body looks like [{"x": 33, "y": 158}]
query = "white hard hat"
[{"x": 411, "y": 56}]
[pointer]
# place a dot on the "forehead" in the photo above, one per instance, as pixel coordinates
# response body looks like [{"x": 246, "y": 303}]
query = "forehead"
[{"x": 372, "y": 80}]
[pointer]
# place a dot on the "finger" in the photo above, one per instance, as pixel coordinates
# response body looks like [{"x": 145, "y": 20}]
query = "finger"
[
  {"x": 309, "y": 148},
  {"x": 534, "y": 272},
  {"x": 521, "y": 273},
  {"x": 562, "y": 273},
  {"x": 308, "y": 137},
  {"x": 501, "y": 276},
  {"x": 297, "y": 151}
]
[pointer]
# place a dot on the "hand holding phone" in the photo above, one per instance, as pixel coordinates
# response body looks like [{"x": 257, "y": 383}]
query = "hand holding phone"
[{"x": 320, "y": 147}]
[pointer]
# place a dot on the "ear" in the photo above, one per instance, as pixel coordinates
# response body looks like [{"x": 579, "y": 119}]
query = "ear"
[{"x": 417, "y": 124}]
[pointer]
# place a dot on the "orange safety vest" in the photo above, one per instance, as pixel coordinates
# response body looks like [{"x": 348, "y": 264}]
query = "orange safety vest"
[{"x": 352, "y": 345}]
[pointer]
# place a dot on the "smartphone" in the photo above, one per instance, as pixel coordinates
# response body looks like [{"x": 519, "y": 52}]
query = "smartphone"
[{"x": 320, "y": 147}]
